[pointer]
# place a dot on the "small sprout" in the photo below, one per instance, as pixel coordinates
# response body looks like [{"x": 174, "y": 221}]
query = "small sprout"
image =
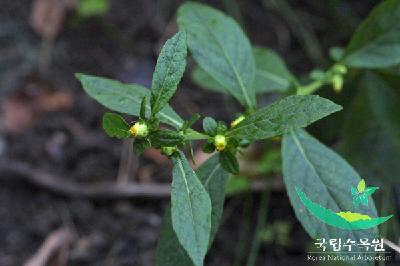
[
  {"x": 337, "y": 83},
  {"x": 139, "y": 130},
  {"x": 168, "y": 150},
  {"x": 220, "y": 142},
  {"x": 235, "y": 122}
]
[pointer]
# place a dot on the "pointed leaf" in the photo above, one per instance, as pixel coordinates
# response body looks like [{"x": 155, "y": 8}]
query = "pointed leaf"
[
  {"x": 376, "y": 42},
  {"x": 370, "y": 190},
  {"x": 169, "y": 70},
  {"x": 210, "y": 126},
  {"x": 190, "y": 209},
  {"x": 169, "y": 251},
  {"x": 124, "y": 98},
  {"x": 140, "y": 145},
  {"x": 385, "y": 101},
  {"x": 324, "y": 177},
  {"x": 354, "y": 191},
  {"x": 281, "y": 116},
  {"x": 271, "y": 74},
  {"x": 206, "y": 81},
  {"x": 142, "y": 114},
  {"x": 229, "y": 162},
  {"x": 370, "y": 141},
  {"x": 361, "y": 186},
  {"x": 115, "y": 126},
  {"x": 220, "y": 47}
]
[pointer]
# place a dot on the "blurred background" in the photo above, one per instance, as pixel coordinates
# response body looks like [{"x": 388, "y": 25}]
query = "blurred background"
[{"x": 69, "y": 195}]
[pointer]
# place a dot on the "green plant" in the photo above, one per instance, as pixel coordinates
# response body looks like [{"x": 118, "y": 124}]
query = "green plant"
[{"x": 229, "y": 64}]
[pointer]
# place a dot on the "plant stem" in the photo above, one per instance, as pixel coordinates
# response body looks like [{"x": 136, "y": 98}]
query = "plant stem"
[
  {"x": 310, "y": 88},
  {"x": 261, "y": 221}
]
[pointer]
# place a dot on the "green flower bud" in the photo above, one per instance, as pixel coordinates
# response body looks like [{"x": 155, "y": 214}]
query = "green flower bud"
[
  {"x": 337, "y": 83},
  {"x": 220, "y": 142},
  {"x": 139, "y": 130},
  {"x": 235, "y": 122}
]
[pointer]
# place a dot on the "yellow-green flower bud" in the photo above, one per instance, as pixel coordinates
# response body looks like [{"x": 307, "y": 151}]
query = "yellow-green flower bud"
[
  {"x": 220, "y": 142},
  {"x": 235, "y": 122},
  {"x": 168, "y": 150},
  {"x": 139, "y": 130},
  {"x": 340, "y": 69},
  {"x": 337, "y": 83}
]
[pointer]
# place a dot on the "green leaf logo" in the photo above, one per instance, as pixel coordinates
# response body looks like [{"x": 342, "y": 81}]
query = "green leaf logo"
[
  {"x": 345, "y": 220},
  {"x": 361, "y": 194}
]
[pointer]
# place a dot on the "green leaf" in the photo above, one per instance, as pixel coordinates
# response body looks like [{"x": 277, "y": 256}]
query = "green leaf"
[
  {"x": 169, "y": 251},
  {"x": 140, "y": 145},
  {"x": 385, "y": 102},
  {"x": 370, "y": 142},
  {"x": 210, "y": 126},
  {"x": 214, "y": 179},
  {"x": 165, "y": 137},
  {"x": 272, "y": 74},
  {"x": 124, "y": 98},
  {"x": 190, "y": 209},
  {"x": 204, "y": 80},
  {"x": 229, "y": 162},
  {"x": 115, "y": 126},
  {"x": 220, "y": 47},
  {"x": 142, "y": 114},
  {"x": 370, "y": 190},
  {"x": 281, "y": 116},
  {"x": 361, "y": 186},
  {"x": 169, "y": 70},
  {"x": 324, "y": 177},
  {"x": 376, "y": 42}
]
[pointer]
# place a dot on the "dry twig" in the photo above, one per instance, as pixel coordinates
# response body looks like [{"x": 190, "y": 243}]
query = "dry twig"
[
  {"x": 54, "y": 248},
  {"x": 99, "y": 190}
]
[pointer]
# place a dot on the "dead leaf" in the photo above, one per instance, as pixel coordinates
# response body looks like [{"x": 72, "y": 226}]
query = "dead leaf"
[{"x": 22, "y": 108}]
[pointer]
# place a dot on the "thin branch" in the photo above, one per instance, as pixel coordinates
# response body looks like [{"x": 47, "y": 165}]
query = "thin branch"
[
  {"x": 55, "y": 246},
  {"x": 65, "y": 187},
  {"x": 99, "y": 190}
]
